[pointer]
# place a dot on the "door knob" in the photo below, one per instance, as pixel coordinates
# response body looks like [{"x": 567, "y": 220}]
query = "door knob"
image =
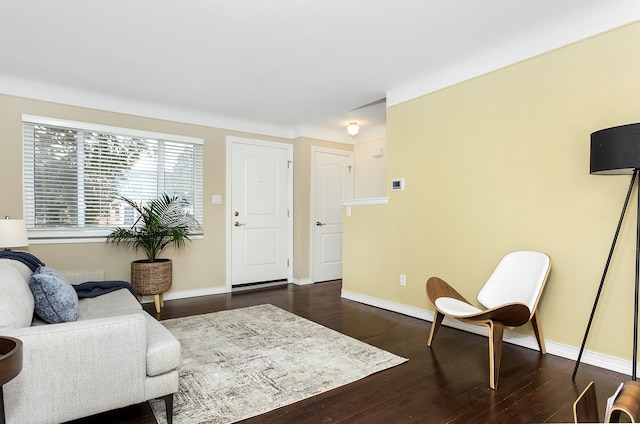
[
  {"x": 237, "y": 224},
  {"x": 319, "y": 224}
]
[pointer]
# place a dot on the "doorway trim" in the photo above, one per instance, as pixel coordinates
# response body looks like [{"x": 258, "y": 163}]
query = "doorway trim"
[
  {"x": 230, "y": 140},
  {"x": 312, "y": 202}
]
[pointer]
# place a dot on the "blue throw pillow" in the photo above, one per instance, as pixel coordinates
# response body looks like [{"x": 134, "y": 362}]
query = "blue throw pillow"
[{"x": 55, "y": 299}]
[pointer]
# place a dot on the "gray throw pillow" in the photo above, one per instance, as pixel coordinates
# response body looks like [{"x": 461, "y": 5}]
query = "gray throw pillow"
[{"x": 55, "y": 298}]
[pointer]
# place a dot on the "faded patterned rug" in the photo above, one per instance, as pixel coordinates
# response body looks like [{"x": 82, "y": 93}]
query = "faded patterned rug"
[{"x": 241, "y": 363}]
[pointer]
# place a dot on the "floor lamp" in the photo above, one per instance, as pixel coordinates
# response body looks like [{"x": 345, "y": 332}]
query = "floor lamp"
[{"x": 616, "y": 151}]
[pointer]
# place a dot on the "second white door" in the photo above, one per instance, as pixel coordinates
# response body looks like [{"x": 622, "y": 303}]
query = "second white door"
[{"x": 332, "y": 183}]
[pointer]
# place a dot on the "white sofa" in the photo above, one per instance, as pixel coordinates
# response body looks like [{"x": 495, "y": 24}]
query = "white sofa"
[{"x": 113, "y": 355}]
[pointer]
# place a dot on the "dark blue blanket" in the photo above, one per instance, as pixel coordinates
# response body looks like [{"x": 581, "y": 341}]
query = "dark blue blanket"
[
  {"x": 96, "y": 288},
  {"x": 25, "y": 257}
]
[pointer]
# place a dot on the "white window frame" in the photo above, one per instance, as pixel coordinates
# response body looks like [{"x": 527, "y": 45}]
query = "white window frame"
[{"x": 79, "y": 235}]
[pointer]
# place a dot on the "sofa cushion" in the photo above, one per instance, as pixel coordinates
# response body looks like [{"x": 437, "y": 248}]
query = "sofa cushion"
[
  {"x": 55, "y": 299},
  {"x": 16, "y": 301},
  {"x": 119, "y": 302},
  {"x": 20, "y": 267}
]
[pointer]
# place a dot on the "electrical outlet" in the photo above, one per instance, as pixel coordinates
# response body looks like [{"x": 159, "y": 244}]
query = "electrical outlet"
[{"x": 403, "y": 280}]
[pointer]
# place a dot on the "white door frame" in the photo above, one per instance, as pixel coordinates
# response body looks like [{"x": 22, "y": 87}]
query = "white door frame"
[
  {"x": 312, "y": 204},
  {"x": 229, "y": 219}
]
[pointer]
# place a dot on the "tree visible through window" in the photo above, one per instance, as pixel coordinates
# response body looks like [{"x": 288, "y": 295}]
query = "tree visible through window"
[{"x": 76, "y": 172}]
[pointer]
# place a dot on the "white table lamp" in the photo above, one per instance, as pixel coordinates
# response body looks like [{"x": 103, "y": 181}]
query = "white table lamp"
[{"x": 13, "y": 233}]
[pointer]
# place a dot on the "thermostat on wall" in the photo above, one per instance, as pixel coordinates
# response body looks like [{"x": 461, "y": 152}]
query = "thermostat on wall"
[{"x": 397, "y": 184}]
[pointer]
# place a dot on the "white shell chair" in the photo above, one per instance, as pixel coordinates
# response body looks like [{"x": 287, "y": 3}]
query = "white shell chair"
[{"x": 511, "y": 296}]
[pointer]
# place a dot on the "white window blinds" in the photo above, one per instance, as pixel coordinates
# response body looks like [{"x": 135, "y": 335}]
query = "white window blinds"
[{"x": 74, "y": 174}]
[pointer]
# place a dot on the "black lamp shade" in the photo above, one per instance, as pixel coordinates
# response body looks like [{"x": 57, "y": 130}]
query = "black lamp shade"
[{"x": 616, "y": 150}]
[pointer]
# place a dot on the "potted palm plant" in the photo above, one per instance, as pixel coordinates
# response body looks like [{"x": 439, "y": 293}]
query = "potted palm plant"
[{"x": 159, "y": 223}]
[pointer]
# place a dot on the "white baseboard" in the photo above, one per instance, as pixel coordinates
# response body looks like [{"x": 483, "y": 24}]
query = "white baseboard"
[
  {"x": 592, "y": 358},
  {"x": 183, "y": 294}
]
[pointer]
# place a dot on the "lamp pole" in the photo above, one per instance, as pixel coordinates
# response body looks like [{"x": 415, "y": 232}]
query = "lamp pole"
[
  {"x": 604, "y": 276},
  {"x": 634, "y": 359}
]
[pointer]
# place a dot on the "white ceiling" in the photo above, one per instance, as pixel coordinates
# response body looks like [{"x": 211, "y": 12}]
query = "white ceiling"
[{"x": 280, "y": 67}]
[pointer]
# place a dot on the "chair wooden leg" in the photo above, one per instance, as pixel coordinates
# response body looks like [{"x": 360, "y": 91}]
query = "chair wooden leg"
[
  {"x": 537, "y": 330},
  {"x": 435, "y": 326},
  {"x": 496, "y": 331}
]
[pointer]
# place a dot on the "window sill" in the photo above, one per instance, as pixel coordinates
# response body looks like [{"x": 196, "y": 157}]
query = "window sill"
[{"x": 77, "y": 239}]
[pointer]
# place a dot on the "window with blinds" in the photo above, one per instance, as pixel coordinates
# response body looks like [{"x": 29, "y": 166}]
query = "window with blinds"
[{"x": 75, "y": 173}]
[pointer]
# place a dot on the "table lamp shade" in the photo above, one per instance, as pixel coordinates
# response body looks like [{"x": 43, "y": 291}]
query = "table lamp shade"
[
  {"x": 13, "y": 233},
  {"x": 616, "y": 150}
]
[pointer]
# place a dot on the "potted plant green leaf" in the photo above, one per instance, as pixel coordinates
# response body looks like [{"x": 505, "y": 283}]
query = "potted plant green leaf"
[{"x": 158, "y": 223}]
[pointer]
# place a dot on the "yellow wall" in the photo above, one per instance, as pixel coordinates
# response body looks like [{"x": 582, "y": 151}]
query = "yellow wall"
[
  {"x": 202, "y": 264},
  {"x": 369, "y": 169},
  {"x": 501, "y": 163}
]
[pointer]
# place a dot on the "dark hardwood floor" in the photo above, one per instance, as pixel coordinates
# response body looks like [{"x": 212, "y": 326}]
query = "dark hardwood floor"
[{"x": 443, "y": 384}]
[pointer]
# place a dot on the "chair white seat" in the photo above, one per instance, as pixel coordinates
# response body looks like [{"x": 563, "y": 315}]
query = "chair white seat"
[
  {"x": 454, "y": 307},
  {"x": 511, "y": 295}
]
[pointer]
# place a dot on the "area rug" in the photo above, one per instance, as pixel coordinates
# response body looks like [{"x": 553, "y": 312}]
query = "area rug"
[{"x": 241, "y": 363}]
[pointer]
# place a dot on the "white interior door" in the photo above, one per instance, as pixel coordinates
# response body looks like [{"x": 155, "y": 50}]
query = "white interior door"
[
  {"x": 260, "y": 217},
  {"x": 332, "y": 183}
]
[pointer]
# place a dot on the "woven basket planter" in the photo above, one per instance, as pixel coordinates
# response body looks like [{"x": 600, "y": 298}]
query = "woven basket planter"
[{"x": 151, "y": 278}]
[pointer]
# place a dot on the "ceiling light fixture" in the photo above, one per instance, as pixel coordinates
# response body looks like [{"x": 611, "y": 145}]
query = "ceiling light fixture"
[{"x": 353, "y": 129}]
